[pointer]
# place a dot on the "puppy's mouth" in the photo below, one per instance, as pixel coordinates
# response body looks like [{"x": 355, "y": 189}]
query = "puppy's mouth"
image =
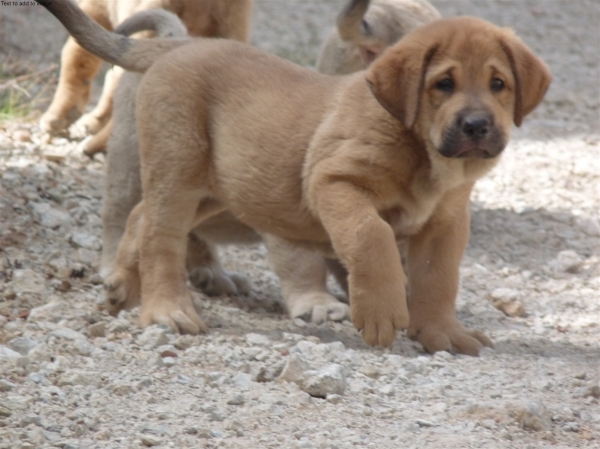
[{"x": 472, "y": 149}]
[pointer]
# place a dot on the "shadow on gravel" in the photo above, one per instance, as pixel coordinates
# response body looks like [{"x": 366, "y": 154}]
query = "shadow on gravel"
[
  {"x": 548, "y": 349},
  {"x": 527, "y": 240}
]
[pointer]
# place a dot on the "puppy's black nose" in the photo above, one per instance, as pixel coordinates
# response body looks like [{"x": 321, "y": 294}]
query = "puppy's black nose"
[{"x": 475, "y": 127}]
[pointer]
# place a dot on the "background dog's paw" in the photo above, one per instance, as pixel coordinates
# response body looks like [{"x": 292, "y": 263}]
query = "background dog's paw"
[
  {"x": 86, "y": 125},
  {"x": 53, "y": 121},
  {"x": 317, "y": 307},
  {"x": 122, "y": 291},
  {"x": 177, "y": 313},
  {"x": 449, "y": 335},
  {"x": 216, "y": 282}
]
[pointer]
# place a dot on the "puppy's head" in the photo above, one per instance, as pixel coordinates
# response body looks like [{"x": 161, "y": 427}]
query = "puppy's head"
[{"x": 460, "y": 83}]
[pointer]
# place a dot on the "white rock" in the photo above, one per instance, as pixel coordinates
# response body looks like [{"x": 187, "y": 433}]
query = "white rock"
[
  {"x": 258, "y": 340},
  {"x": 54, "y": 311},
  {"x": 242, "y": 380},
  {"x": 567, "y": 262},
  {"x": 68, "y": 334},
  {"x": 152, "y": 337},
  {"x": 169, "y": 361},
  {"x": 53, "y": 218},
  {"x": 150, "y": 440},
  {"x": 6, "y": 385},
  {"x": 41, "y": 353},
  {"x": 387, "y": 390},
  {"x": 425, "y": 423},
  {"x": 79, "y": 377},
  {"x": 334, "y": 398},
  {"x": 85, "y": 240},
  {"x": 23, "y": 344},
  {"x": 294, "y": 369},
  {"x": 358, "y": 386},
  {"x": 505, "y": 294},
  {"x": 97, "y": 329},
  {"x": 28, "y": 281},
  {"x": 118, "y": 325},
  {"x": 237, "y": 399},
  {"x": 8, "y": 354},
  {"x": 304, "y": 347},
  {"x": 328, "y": 380},
  {"x": 84, "y": 348}
]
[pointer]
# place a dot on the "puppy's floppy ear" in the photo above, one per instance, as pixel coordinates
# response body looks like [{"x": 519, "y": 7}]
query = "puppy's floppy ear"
[
  {"x": 532, "y": 76},
  {"x": 397, "y": 77}
]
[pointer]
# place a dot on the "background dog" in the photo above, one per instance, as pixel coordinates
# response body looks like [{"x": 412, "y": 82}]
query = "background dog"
[
  {"x": 331, "y": 163},
  {"x": 224, "y": 18},
  {"x": 365, "y": 29},
  {"x": 302, "y": 272}
]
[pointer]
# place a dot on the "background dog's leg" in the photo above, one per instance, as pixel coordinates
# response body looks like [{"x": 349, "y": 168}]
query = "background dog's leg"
[
  {"x": 123, "y": 284},
  {"x": 94, "y": 121},
  {"x": 233, "y": 19},
  {"x": 303, "y": 277},
  {"x": 433, "y": 263},
  {"x": 366, "y": 246},
  {"x": 78, "y": 69},
  {"x": 206, "y": 272},
  {"x": 123, "y": 185},
  {"x": 339, "y": 273},
  {"x": 98, "y": 142}
]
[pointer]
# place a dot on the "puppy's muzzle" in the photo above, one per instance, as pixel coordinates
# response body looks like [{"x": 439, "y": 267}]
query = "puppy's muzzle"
[{"x": 473, "y": 135}]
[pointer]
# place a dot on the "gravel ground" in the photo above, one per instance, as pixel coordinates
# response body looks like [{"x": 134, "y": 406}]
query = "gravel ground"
[{"x": 73, "y": 377}]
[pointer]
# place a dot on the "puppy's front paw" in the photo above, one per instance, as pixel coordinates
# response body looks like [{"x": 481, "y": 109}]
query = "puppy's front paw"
[
  {"x": 448, "y": 334},
  {"x": 178, "y": 313},
  {"x": 122, "y": 291},
  {"x": 379, "y": 319},
  {"x": 317, "y": 307},
  {"x": 217, "y": 282}
]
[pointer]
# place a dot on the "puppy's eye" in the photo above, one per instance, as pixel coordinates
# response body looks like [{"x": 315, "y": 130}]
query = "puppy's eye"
[
  {"x": 497, "y": 85},
  {"x": 445, "y": 85}
]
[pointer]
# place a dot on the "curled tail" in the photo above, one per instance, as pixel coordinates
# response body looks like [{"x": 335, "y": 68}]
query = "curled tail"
[
  {"x": 350, "y": 21},
  {"x": 162, "y": 22},
  {"x": 135, "y": 55}
]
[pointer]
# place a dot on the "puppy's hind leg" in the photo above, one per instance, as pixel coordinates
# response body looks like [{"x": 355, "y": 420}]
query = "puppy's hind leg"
[
  {"x": 303, "y": 275},
  {"x": 166, "y": 298}
]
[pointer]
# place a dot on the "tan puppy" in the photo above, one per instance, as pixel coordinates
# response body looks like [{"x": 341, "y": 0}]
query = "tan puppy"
[
  {"x": 365, "y": 29},
  {"x": 333, "y": 163},
  {"x": 302, "y": 272},
  {"x": 223, "y": 18}
]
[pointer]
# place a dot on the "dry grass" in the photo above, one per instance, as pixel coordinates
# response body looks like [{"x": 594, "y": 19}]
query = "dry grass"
[{"x": 24, "y": 90}]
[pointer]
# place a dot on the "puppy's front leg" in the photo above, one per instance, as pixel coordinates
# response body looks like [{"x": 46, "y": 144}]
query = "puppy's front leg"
[
  {"x": 433, "y": 263},
  {"x": 366, "y": 245}
]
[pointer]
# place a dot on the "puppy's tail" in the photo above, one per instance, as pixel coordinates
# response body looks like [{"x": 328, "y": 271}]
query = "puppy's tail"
[
  {"x": 135, "y": 55},
  {"x": 350, "y": 24},
  {"x": 163, "y": 23}
]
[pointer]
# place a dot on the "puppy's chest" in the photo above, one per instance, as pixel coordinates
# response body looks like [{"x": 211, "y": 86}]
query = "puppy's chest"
[{"x": 409, "y": 213}]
